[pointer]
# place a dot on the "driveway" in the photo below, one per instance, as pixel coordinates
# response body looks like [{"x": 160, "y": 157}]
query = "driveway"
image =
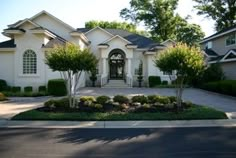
[
  {"x": 17, "y": 105},
  {"x": 197, "y": 96}
]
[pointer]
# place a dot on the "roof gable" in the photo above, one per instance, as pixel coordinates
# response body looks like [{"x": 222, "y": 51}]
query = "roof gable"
[
  {"x": 91, "y": 30},
  {"x": 51, "y": 16},
  {"x": 117, "y": 36}
]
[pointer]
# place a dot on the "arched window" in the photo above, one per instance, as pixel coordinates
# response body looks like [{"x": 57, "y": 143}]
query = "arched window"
[{"x": 29, "y": 62}]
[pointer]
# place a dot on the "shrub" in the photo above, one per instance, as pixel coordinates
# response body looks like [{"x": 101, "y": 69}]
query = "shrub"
[
  {"x": 60, "y": 104},
  {"x": 42, "y": 89},
  {"x": 121, "y": 99},
  {"x": 162, "y": 99},
  {"x": 154, "y": 81},
  {"x": 164, "y": 82},
  {"x": 57, "y": 87},
  {"x": 224, "y": 87},
  {"x": 16, "y": 89},
  {"x": 28, "y": 89},
  {"x": 140, "y": 99},
  {"x": 2, "y": 97},
  {"x": 87, "y": 98},
  {"x": 3, "y": 85},
  {"x": 102, "y": 99},
  {"x": 151, "y": 98},
  {"x": 172, "y": 99}
]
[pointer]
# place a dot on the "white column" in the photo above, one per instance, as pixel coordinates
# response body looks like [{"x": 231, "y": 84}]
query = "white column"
[
  {"x": 129, "y": 67},
  {"x": 104, "y": 67}
]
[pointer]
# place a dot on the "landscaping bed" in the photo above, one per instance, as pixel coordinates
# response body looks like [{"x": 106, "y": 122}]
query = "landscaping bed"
[{"x": 120, "y": 108}]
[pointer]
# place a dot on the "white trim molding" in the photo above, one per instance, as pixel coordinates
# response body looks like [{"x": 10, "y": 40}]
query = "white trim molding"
[
  {"x": 221, "y": 34},
  {"x": 99, "y": 29}
]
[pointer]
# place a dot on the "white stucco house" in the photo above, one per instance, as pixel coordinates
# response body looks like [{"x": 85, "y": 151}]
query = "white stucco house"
[{"x": 119, "y": 52}]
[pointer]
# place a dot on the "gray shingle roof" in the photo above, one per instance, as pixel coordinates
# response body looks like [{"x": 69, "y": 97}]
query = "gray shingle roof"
[
  {"x": 8, "y": 44},
  {"x": 140, "y": 41},
  {"x": 210, "y": 52},
  {"x": 219, "y": 32}
]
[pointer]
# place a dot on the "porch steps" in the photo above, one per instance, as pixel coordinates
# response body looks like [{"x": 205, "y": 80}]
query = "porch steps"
[{"x": 116, "y": 84}]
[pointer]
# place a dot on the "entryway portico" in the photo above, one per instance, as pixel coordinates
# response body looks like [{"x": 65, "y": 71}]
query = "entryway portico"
[{"x": 116, "y": 57}]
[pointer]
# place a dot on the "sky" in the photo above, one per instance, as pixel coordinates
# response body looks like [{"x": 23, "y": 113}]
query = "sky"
[{"x": 77, "y": 12}]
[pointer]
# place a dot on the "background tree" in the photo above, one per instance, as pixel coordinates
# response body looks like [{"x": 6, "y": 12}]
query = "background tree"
[
  {"x": 160, "y": 18},
  {"x": 157, "y": 15},
  {"x": 186, "y": 62},
  {"x": 187, "y": 33},
  {"x": 70, "y": 61},
  {"x": 115, "y": 25},
  {"x": 223, "y": 12}
]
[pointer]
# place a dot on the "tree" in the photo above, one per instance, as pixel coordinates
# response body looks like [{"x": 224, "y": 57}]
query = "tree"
[
  {"x": 157, "y": 15},
  {"x": 223, "y": 12},
  {"x": 186, "y": 63},
  {"x": 115, "y": 25},
  {"x": 160, "y": 18},
  {"x": 187, "y": 33},
  {"x": 70, "y": 61}
]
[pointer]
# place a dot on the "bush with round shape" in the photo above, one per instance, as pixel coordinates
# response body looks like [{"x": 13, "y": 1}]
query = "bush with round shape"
[
  {"x": 151, "y": 98},
  {"x": 102, "y": 99},
  {"x": 172, "y": 99},
  {"x": 2, "y": 97},
  {"x": 3, "y": 85},
  {"x": 121, "y": 99},
  {"x": 60, "y": 104},
  {"x": 139, "y": 99},
  {"x": 57, "y": 87},
  {"x": 28, "y": 89},
  {"x": 154, "y": 81},
  {"x": 87, "y": 98}
]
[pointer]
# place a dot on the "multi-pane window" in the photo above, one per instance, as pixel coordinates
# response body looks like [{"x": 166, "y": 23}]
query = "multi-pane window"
[
  {"x": 29, "y": 62},
  {"x": 231, "y": 39}
]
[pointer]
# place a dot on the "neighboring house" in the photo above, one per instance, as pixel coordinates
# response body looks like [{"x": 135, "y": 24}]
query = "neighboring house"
[
  {"x": 119, "y": 52},
  {"x": 221, "y": 48}
]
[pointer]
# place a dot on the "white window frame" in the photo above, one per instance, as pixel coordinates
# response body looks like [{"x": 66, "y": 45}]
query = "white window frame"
[{"x": 29, "y": 62}]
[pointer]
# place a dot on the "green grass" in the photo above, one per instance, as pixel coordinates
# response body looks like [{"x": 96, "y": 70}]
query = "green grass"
[{"x": 193, "y": 113}]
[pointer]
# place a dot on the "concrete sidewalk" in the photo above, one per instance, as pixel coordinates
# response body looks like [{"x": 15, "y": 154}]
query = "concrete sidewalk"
[{"x": 117, "y": 124}]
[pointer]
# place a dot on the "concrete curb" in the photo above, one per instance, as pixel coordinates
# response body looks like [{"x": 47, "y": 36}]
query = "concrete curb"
[{"x": 117, "y": 124}]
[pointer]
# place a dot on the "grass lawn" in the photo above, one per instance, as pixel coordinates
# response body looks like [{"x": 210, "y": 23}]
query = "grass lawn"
[{"x": 193, "y": 113}]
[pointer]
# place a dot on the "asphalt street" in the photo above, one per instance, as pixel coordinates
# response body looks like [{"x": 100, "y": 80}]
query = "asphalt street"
[{"x": 117, "y": 143}]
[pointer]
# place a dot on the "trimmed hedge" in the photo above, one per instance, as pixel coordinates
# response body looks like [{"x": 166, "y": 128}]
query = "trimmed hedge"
[
  {"x": 102, "y": 99},
  {"x": 16, "y": 89},
  {"x": 28, "y": 89},
  {"x": 42, "y": 89},
  {"x": 121, "y": 99},
  {"x": 164, "y": 82},
  {"x": 227, "y": 87},
  {"x": 154, "y": 81},
  {"x": 3, "y": 85},
  {"x": 57, "y": 87}
]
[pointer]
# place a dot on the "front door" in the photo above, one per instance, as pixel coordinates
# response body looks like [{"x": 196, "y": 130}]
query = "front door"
[
  {"x": 117, "y": 64},
  {"x": 116, "y": 69}
]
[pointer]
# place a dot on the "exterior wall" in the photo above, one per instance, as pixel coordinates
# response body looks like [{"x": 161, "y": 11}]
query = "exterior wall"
[
  {"x": 7, "y": 67},
  {"x": 152, "y": 70},
  {"x": 219, "y": 45},
  {"x": 229, "y": 70},
  {"x": 23, "y": 43}
]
